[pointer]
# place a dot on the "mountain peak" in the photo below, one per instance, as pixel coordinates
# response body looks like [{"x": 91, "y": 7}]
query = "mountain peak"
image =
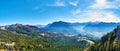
[
  {"x": 15, "y": 25},
  {"x": 24, "y": 29},
  {"x": 60, "y": 24}
]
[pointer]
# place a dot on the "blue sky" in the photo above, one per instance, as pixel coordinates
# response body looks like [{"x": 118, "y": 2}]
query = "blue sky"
[{"x": 47, "y": 11}]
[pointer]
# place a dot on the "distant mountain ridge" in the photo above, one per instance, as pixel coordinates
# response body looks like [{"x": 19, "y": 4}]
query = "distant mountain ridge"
[
  {"x": 100, "y": 27},
  {"x": 97, "y": 29}
]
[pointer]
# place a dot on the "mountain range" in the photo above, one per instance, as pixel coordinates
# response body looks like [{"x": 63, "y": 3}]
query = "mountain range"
[
  {"x": 62, "y": 36},
  {"x": 18, "y": 37},
  {"x": 95, "y": 29},
  {"x": 90, "y": 30}
]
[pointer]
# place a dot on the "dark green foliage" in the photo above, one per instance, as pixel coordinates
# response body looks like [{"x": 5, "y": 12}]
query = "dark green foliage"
[{"x": 107, "y": 43}]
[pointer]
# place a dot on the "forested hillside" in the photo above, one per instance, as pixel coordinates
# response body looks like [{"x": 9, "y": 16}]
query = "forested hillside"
[
  {"x": 20, "y": 37},
  {"x": 109, "y": 42}
]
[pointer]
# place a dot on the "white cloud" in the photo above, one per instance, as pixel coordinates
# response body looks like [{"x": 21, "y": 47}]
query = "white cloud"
[
  {"x": 97, "y": 12},
  {"x": 74, "y": 3},
  {"x": 58, "y": 3},
  {"x": 93, "y": 16},
  {"x": 105, "y": 4}
]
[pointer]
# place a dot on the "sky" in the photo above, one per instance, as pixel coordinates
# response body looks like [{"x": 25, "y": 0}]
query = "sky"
[{"x": 48, "y": 11}]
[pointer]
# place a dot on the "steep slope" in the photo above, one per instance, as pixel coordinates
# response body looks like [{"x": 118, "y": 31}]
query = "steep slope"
[{"x": 109, "y": 42}]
